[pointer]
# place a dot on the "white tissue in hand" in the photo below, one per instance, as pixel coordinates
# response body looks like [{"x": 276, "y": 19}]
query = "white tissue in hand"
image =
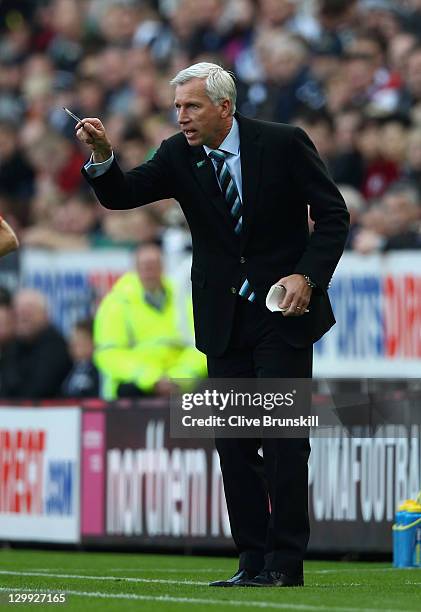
[{"x": 274, "y": 297}]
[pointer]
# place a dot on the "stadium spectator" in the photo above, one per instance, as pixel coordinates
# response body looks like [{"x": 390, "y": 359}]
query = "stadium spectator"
[
  {"x": 411, "y": 92},
  {"x": 83, "y": 378},
  {"x": 326, "y": 58},
  {"x": 79, "y": 223},
  {"x": 398, "y": 50},
  {"x": 319, "y": 126},
  {"x": 128, "y": 230},
  {"x": 356, "y": 206},
  {"x": 16, "y": 174},
  {"x": 384, "y": 15},
  {"x": 347, "y": 165},
  {"x": 394, "y": 141},
  {"x": 133, "y": 149},
  {"x": 398, "y": 223},
  {"x": 143, "y": 333},
  {"x": 90, "y": 94},
  {"x": 373, "y": 81},
  {"x": 117, "y": 20},
  {"x": 55, "y": 159},
  {"x": 379, "y": 171},
  {"x": 38, "y": 360},
  {"x": 208, "y": 31},
  {"x": 337, "y": 16},
  {"x": 75, "y": 225},
  {"x": 412, "y": 163},
  {"x": 288, "y": 85},
  {"x": 413, "y": 16}
]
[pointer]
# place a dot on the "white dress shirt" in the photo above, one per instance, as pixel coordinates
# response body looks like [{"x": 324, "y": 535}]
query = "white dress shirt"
[
  {"x": 97, "y": 169},
  {"x": 231, "y": 145}
]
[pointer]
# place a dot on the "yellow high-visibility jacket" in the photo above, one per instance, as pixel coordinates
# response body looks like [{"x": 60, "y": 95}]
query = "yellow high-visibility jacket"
[{"x": 137, "y": 343}]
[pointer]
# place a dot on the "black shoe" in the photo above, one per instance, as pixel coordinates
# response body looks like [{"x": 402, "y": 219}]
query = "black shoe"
[
  {"x": 238, "y": 579},
  {"x": 271, "y": 578}
]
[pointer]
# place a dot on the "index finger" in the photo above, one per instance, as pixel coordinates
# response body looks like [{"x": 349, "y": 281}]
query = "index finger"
[{"x": 94, "y": 121}]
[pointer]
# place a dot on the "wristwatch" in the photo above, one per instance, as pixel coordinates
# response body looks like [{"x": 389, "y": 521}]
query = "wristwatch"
[{"x": 309, "y": 282}]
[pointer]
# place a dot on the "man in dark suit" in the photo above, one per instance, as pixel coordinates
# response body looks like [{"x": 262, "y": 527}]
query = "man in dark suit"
[{"x": 245, "y": 187}]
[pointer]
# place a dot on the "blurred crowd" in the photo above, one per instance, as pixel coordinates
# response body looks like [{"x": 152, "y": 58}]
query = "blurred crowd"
[
  {"x": 140, "y": 342},
  {"x": 36, "y": 361},
  {"x": 347, "y": 71}
]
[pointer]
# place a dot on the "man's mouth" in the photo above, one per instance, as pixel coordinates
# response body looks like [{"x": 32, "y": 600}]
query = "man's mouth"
[{"x": 189, "y": 133}]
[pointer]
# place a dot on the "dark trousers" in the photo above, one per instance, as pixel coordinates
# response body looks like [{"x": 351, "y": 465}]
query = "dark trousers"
[{"x": 267, "y": 498}]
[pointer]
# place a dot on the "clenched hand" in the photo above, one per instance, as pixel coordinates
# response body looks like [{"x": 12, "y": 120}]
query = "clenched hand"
[
  {"x": 297, "y": 296},
  {"x": 91, "y": 132}
]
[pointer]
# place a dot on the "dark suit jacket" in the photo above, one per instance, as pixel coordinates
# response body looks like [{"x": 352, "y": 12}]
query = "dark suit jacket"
[{"x": 281, "y": 174}]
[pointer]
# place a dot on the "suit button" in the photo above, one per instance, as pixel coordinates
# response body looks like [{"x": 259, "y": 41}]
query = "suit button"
[
  {"x": 233, "y": 290},
  {"x": 242, "y": 260}
]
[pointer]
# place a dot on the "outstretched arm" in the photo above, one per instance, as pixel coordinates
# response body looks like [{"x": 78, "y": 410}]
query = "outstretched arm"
[{"x": 149, "y": 182}]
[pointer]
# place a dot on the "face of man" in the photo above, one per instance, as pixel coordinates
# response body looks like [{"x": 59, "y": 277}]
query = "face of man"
[
  {"x": 400, "y": 212},
  {"x": 31, "y": 314},
  {"x": 201, "y": 121},
  {"x": 149, "y": 267},
  {"x": 81, "y": 345},
  {"x": 414, "y": 74}
]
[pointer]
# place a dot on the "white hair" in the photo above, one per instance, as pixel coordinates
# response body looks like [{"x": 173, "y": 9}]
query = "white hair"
[{"x": 219, "y": 82}]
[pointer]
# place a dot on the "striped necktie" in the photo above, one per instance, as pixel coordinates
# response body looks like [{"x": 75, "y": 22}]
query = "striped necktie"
[{"x": 235, "y": 206}]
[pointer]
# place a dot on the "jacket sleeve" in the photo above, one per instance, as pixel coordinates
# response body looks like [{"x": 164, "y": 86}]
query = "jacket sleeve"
[
  {"x": 327, "y": 210},
  {"x": 149, "y": 182}
]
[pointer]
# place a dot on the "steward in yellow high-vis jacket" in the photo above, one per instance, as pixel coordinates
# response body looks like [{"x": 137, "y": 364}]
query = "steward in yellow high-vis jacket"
[{"x": 143, "y": 332}]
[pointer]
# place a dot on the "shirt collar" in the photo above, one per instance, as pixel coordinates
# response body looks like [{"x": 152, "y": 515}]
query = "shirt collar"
[{"x": 231, "y": 144}]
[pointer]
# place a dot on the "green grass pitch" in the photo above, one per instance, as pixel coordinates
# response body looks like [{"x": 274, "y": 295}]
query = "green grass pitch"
[{"x": 169, "y": 583}]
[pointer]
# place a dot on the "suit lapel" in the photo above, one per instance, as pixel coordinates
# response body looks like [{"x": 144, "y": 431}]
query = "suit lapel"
[
  {"x": 251, "y": 158},
  {"x": 204, "y": 173}
]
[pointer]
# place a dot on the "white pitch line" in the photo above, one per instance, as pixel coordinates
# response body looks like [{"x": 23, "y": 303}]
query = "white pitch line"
[
  {"x": 117, "y": 578},
  {"x": 172, "y": 570},
  {"x": 216, "y": 571},
  {"x": 355, "y": 569},
  {"x": 196, "y": 600},
  {"x": 333, "y": 585},
  {"x": 169, "y": 570},
  {"x": 213, "y": 570}
]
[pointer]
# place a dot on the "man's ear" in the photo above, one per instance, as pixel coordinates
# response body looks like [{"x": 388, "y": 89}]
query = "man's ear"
[{"x": 226, "y": 108}]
